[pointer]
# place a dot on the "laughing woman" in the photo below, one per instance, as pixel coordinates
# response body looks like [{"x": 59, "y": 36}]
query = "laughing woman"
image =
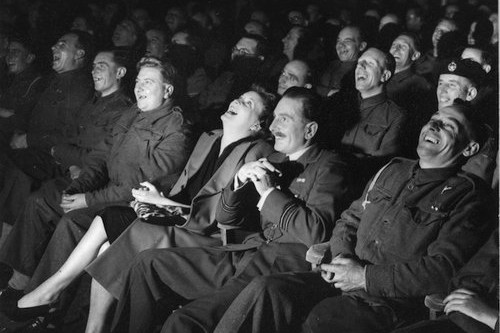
[{"x": 212, "y": 165}]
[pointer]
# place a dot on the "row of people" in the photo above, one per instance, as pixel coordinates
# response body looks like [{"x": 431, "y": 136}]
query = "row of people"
[{"x": 370, "y": 253}]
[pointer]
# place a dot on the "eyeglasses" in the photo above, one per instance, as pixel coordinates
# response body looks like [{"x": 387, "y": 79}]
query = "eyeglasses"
[{"x": 289, "y": 77}]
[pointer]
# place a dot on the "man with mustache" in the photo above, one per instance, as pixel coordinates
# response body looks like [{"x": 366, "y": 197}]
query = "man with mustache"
[
  {"x": 297, "y": 200},
  {"x": 415, "y": 225}
]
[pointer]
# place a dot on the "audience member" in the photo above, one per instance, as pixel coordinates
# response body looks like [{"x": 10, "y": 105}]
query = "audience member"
[
  {"x": 53, "y": 132},
  {"x": 428, "y": 66},
  {"x": 52, "y": 121},
  {"x": 296, "y": 73},
  {"x": 472, "y": 305},
  {"x": 212, "y": 165},
  {"x": 292, "y": 217},
  {"x": 246, "y": 58},
  {"x": 350, "y": 44},
  {"x": 393, "y": 246},
  {"x": 157, "y": 42},
  {"x": 409, "y": 90},
  {"x": 176, "y": 19},
  {"x": 26, "y": 85},
  {"x": 148, "y": 143},
  {"x": 375, "y": 135}
]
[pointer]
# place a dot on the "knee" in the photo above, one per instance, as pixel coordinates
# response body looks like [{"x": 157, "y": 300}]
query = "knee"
[
  {"x": 269, "y": 284},
  {"x": 180, "y": 321}
]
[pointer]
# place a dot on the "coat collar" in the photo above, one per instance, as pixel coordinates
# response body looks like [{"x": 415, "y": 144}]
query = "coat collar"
[
  {"x": 372, "y": 101},
  {"x": 425, "y": 176}
]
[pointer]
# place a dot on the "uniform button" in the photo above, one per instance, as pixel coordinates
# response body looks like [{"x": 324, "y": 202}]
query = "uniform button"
[
  {"x": 411, "y": 186},
  {"x": 377, "y": 242},
  {"x": 386, "y": 222}
]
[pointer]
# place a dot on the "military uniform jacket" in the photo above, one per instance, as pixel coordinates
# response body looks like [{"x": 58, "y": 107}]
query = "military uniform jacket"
[
  {"x": 53, "y": 119},
  {"x": 203, "y": 206},
  {"x": 146, "y": 146},
  {"x": 95, "y": 124},
  {"x": 413, "y": 228},
  {"x": 22, "y": 96},
  {"x": 303, "y": 212},
  {"x": 378, "y": 131}
]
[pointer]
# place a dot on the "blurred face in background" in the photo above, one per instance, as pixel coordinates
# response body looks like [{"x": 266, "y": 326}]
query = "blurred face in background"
[{"x": 18, "y": 58}]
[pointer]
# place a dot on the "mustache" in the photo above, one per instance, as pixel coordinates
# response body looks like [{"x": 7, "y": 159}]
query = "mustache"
[{"x": 278, "y": 134}]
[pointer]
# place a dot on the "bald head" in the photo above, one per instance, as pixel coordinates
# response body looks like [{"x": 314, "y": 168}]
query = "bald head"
[{"x": 296, "y": 73}]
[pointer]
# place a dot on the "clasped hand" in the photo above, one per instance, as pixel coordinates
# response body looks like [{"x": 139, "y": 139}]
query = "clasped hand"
[
  {"x": 19, "y": 141},
  {"x": 71, "y": 202},
  {"x": 261, "y": 173},
  {"x": 346, "y": 274},
  {"x": 148, "y": 193}
]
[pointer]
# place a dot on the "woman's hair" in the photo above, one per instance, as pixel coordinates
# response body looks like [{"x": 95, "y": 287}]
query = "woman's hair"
[
  {"x": 167, "y": 70},
  {"x": 269, "y": 101}
]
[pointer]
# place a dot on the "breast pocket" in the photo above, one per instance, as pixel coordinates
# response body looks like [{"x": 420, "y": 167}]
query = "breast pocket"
[
  {"x": 417, "y": 228},
  {"x": 374, "y": 130}
]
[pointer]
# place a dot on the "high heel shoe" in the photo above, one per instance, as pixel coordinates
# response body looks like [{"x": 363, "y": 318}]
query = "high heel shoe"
[{"x": 23, "y": 314}]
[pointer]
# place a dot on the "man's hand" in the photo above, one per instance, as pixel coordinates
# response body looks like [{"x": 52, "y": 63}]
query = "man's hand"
[
  {"x": 74, "y": 172},
  {"x": 71, "y": 202},
  {"x": 253, "y": 171},
  {"x": 19, "y": 141},
  {"x": 4, "y": 113},
  {"x": 346, "y": 274},
  {"x": 468, "y": 303}
]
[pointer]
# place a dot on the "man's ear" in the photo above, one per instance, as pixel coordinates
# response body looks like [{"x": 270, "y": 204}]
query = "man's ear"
[
  {"x": 120, "y": 73},
  {"x": 308, "y": 86},
  {"x": 386, "y": 75},
  {"x": 30, "y": 58},
  {"x": 311, "y": 129},
  {"x": 487, "y": 68},
  {"x": 471, "y": 149},
  {"x": 80, "y": 54},
  {"x": 362, "y": 46},
  {"x": 169, "y": 90},
  {"x": 471, "y": 94},
  {"x": 415, "y": 56}
]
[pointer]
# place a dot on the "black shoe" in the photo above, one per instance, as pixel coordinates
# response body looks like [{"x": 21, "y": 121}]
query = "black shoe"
[
  {"x": 9, "y": 297},
  {"x": 23, "y": 314},
  {"x": 39, "y": 325},
  {"x": 5, "y": 275}
]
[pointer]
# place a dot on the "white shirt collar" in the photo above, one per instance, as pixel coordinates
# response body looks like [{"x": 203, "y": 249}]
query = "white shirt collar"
[{"x": 295, "y": 156}]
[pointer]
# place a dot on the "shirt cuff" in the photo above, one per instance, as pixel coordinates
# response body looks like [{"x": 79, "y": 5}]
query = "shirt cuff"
[
  {"x": 263, "y": 198},
  {"x": 237, "y": 184}
]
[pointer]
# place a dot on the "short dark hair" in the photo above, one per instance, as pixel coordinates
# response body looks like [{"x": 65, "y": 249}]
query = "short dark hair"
[
  {"x": 121, "y": 57},
  {"x": 417, "y": 42},
  {"x": 311, "y": 102},
  {"x": 167, "y": 70},
  {"x": 24, "y": 40},
  {"x": 475, "y": 129},
  {"x": 84, "y": 42},
  {"x": 362, "y": 34},
  {"x": 262, "y": 48},
  {"x": 389, "y": 62},
  {"x": 269, "y": 101}
]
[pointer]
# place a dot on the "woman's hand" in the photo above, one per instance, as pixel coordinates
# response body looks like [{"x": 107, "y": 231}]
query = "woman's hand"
[
  {"x": 468, "y": 303},
  {"x": 148, "y": 194}
]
